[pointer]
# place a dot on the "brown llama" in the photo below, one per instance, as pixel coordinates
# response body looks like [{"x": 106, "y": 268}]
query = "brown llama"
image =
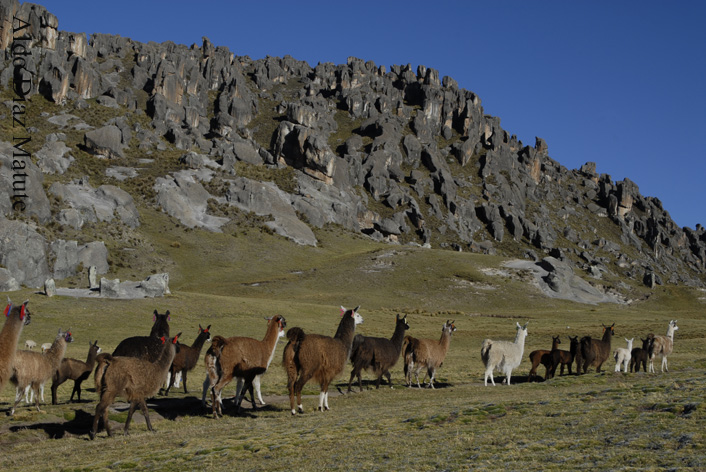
[
  {"x": 33, "y": 369},
  {"x": 377, "y": 354},
  {"x": 544, "y": 357},
  {"x": 564, "y": 358},
  {"x": 16, "y": 317},
  {"x": 132, "y": 378},
  {"x": 594, "y": 352},
  {"x": 426, "y": 354},
  {"x": 318, "y": 357},
  {"x": 241, "y": 358},
  {"x": 187, "y": 358},
  {"x": 76, "y": 370}
]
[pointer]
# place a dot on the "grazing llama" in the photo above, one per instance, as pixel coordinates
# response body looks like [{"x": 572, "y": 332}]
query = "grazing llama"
[
  {"x": 503, "y": 355},
  {"x": 322, "y": 358},
  {"x": 241, "y": 358},
  {"x": 663, "y": 345},
  {"x": 76, "y": 370},
  {"x": 16, "y": 317},
  {"x": 132, "y": 378},
  {"x": 426, "y": 354},
  {"x": 622, "y": 356},
  {"x": 377, "y": 354},
  {"x": 32, "y": 369}
]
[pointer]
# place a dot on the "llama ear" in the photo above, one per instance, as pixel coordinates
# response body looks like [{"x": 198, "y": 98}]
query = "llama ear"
[{"x": 355, "y": 310}]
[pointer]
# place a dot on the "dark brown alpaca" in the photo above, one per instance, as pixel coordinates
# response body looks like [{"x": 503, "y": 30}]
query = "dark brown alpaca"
[
  {"x": 377, "y": 354},
  {"x": 16, "y": 317},
  {"x": 322, "y": 358},
  {"x": 33, "y": 369},
  {"x": 241, "y": 358},
  {"x": 594, "y": 352},
  {"x": 640, "y": 356},
  {"x": 132, "y": 378},
  {"x": 76, "y": 370},
  {"x": 565, "y": 358},
  {"x": 187, "y": 357},
  {"x": 543, "y": 357}
]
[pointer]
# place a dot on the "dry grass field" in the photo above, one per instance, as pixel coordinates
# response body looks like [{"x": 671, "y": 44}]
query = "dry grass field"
[{"x": 606, "y": 421}]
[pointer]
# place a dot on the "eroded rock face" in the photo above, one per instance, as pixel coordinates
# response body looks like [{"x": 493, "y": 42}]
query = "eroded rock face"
[
  {"x": 21, "y": 181},
  {"x": 23, "y": 252},
  {"x": 185, "y": 198},
  {"x": 105, "y": 203}
]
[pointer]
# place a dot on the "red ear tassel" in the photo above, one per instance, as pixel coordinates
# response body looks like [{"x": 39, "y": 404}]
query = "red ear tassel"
[
  {"x": 8, "y": 308},
  {"x": 163, "y": 340},
  {"x": 22, "y": 313},
  {"x": 174, "y": 341}
]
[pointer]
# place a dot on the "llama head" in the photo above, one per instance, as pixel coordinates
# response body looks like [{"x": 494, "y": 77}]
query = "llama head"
[
  {"x": 611, "y": 328},
  {"x": 94, "y": 347},
  {"x": 449, "y": 327},
  {"x": 281, "y": 324},
  {"x": 555, "y": 339},
  {"x": 404, "y": 321},
  {"x": 522, "y": 328},
  {"x": 24, "y": 313},
  {"x": 353, "y": 313},
  {"x": 673, "y": 325},
  {"x": 66, "y": 335},
  {"x": 630, "y": 342},
  {"x": 205, "y": 332}
]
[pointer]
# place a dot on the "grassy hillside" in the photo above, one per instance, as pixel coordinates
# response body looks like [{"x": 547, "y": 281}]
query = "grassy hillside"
[{"x": 230, "y": 281}]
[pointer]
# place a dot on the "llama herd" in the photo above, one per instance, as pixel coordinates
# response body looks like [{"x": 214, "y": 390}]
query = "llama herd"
[{"x": 142, "y": 366}]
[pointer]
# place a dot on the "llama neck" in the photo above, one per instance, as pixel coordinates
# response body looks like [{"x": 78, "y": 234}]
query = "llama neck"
[
  {"x": 608, "y": 335},
  {"x": 91, "y": 359},
  {"x": 346, "y": 330},
  {"x": 271, "y": 338},
  {"x": 445, "y": 340},
  {"x": 398, "y": 336},
  {"x": 12, "y": 328},
  {"x": 164, "y": 361},
  {"x": 57, "y": 350},
  {"x": 200, "y": 340},
  {"x": 670, "y": 332},
  {"x": 555, "y": 345}
]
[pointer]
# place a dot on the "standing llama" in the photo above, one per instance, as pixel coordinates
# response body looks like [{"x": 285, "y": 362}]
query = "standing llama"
[
  {"x": 640, "y": 355},
  {"x": 186, "y": 359},
  {"x": 544, "y": 357},
  {"x": 622, "y": 356},
  {"x": 426, "y": 354},
  {"x": 663, "y": 345},
  {"x": 503, "y": 355},
  {"x": 132, "y": 378},
  {"x": 76, "y": 370},
  {"x": 33, "y": 369},
  {"x": 594, "y": 352},
  {"x": 563, "y": 358},
  {"x": 322, "y": 358},
  {"x": 241, "y": 358},
  {"x": 16, "y": 317},
  {"x": 377, "y": 354},
  {"x": 146, "y": 347}
]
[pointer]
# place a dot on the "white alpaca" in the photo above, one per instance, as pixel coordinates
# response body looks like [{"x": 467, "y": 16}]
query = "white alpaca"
[
  {"x": 663, "y": 345},
  {"x": 622, "y": 356},
  {"x": 29, "y": 344},
  {"x": 503, "y": 355}
]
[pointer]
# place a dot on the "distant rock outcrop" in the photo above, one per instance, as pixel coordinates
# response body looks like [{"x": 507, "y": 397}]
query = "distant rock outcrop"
[{"x": 402, "y": 155}]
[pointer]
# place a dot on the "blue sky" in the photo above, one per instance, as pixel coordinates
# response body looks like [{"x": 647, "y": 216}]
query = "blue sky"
[{"x": 619, "y": 83}]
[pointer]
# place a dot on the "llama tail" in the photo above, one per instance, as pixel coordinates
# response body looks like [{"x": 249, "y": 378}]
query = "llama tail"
[
  {"x": 103, "y": 364},
  {"x": 485, "y": 350}
]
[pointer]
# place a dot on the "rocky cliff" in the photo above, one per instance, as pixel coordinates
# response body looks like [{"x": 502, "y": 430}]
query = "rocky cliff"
[{"x": 103, "y": 126}]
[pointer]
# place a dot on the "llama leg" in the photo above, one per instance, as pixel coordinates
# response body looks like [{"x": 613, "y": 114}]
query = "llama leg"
[
  {"x": 256, "y": 385},
  {"x": 146, "y": 414},
  {"x": 133, "y": 405},
  {"x": 326, "y": 400},
  {"x": 183, "y": 379},
  {"x": 431, "y": 373},
  {"x": 664, "y": 364},
  {"x": 170, "y": 381},
  {"x": 54, "y": 387},
  {"x": 350, "y": 381}
]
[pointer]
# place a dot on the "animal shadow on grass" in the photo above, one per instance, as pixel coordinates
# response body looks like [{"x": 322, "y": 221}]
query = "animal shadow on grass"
[
  {"x": 370, "y": 385},
  {"x": 78, "y": 426},
  {"x": 230, "y": 408}
]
